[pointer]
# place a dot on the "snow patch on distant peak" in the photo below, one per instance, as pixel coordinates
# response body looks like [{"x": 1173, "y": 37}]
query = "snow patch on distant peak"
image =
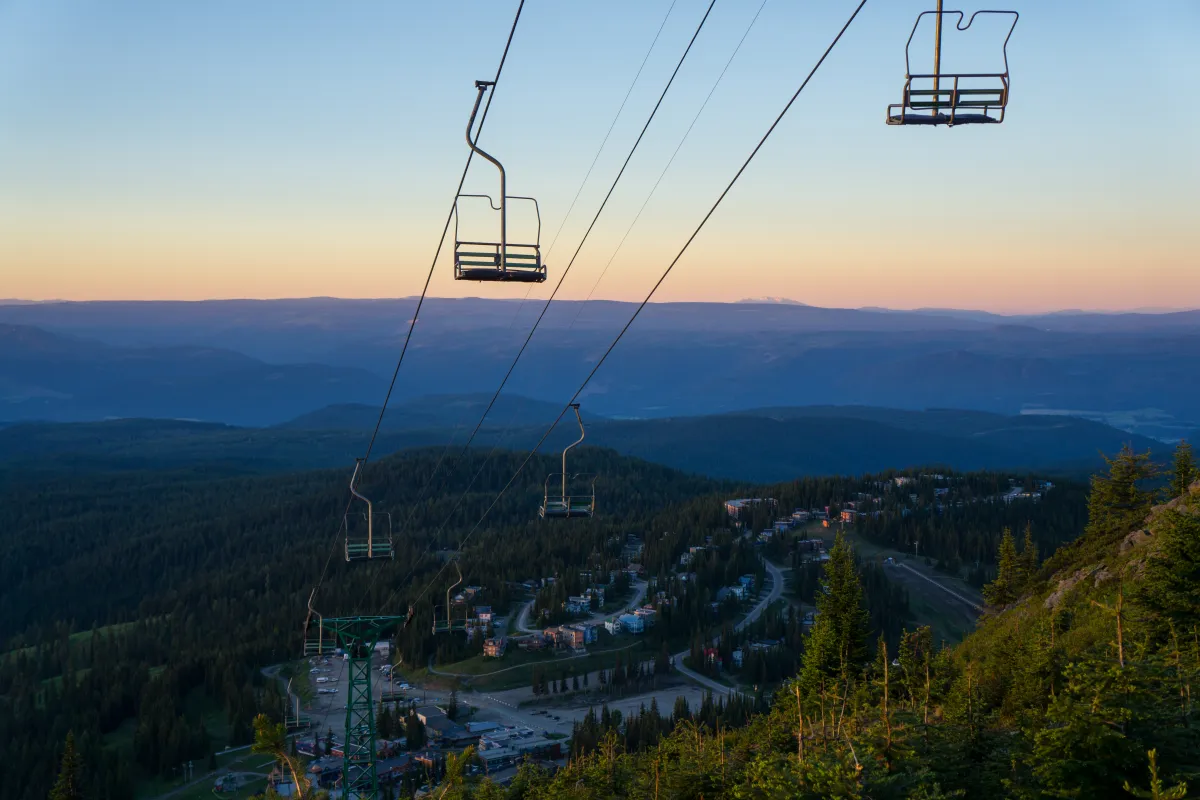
[{"x": 778, "y": 301}]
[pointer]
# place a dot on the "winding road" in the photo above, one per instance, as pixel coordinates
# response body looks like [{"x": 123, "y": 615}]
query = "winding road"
[
  {"x": 776, "y": 592},
  {"x": 639, "y": 594}
]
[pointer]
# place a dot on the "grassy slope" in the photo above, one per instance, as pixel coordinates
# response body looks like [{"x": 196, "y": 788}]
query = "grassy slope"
[{"x": 951, "y": 619}]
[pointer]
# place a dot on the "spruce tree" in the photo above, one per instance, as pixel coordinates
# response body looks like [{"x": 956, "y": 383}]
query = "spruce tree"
[
  {"x": 1184, "y": 471},
  {"x": 1170, "y": 588},
  {"x": 383, "y": 722},
  {"x": 837, "y": 643},
  {"x": 1028, "y": 561},
  {"x": 1003, "y": 590},
  {"x": 1118, "y": 502},
  {"x": 67, "y": 787},
  {"x": 414, "y": 731}
]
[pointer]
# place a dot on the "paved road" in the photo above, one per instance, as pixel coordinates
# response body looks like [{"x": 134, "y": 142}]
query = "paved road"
[
  {"x": 212, "y": 776},
  {"x": 941, "y": 586},
  {"x": 557, "y": 660},
  {"x": 777, "y": 586},
  {"x": 639, "y": 593}
]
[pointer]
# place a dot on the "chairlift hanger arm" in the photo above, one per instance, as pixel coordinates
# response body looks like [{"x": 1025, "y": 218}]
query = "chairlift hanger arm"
[
  {"x": 582, "y": 433},
  {"x": 482, "y": 86},
  {"x": 358, "y": 464}
]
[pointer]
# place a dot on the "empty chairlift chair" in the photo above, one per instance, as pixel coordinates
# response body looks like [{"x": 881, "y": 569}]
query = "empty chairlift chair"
[
  {"x": 952, "y": 98},
  {"x": 293, "y": 718},
  {"x": 486, "y": 259},
  {"x": 368, "y": 535},
  {"x": 318, "y": 641},
  {"x": 448, "y": 624},
  {"x": 580, "y": 501}
]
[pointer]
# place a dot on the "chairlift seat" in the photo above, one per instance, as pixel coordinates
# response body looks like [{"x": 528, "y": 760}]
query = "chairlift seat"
[
  {"x": 951, "y": 106},
  {"x": 320, "y": 646},
  {"x": 911, "y": 118},
  {"x": 568, "y": 507},
  {"x": 360, "y": 549},
  {"x": 581, "y": 504},
  {"x": 472, "y": 263}
]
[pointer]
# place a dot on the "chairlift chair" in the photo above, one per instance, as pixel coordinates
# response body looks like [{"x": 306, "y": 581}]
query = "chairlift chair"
[
  {"x": 564, "y": 504},
  {"x": 502, "y": 260},
  {"x": 318, "y": 641},
  {"x": 970, "y": 99},
  {"x": 450, "y": 624},
  {"x": 292, "y": 718},
  {"x": 368, "y": 540}
]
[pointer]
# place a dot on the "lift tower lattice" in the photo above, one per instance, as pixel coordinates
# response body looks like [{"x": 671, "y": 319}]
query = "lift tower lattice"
[{"x": 356, "y": 637}]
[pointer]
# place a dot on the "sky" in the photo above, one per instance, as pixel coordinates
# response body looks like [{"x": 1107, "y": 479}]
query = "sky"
[{"x": 296, "y": 148}]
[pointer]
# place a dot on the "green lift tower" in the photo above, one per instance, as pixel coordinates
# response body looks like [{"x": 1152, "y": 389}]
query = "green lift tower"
[{"x": 356, "y": 637}]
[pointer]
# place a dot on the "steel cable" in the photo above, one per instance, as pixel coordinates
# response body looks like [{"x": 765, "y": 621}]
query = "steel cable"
[{"x": 658, "y": 283}]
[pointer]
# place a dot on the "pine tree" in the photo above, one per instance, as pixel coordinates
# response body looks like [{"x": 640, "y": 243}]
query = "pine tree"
[
  {"x": 1157, "y": 791},
  {"x": 67, "y": 787},
  {"x": 1184, "y": 471},
  {"x": 383, "y": 722},
  {"x": 1003, "y": 590},
  {"x": 271, "y": 739},
  {"x": 837, "y": 643},
  {"x": 1028, "y": 561},
  {"x": 1170, "y": 587},
  {"x": 1118, "y": 502},
  {"x": 414, "y": 731}
]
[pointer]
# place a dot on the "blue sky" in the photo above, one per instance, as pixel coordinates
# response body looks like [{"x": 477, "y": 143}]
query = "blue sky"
[{"x": 272, "y": 149}]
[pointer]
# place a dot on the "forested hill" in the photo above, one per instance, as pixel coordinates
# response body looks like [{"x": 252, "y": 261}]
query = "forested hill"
[
  {"x": 137, "y": 542},
  {"x": 199, "y": 578},
  {"x": 764, "y": 445}
]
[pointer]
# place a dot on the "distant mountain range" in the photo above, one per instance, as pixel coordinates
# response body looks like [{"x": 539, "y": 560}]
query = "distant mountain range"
[
  {"x": 763, "y": 445},
  {"x": 264, "y": 363},
  {"x": 49, "y": 376}
]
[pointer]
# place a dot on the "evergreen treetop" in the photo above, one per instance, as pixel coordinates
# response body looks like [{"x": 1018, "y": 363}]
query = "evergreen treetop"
[
  {"x": 1004, "y": 589},
  {"x": 1118, "y": 501},
  {"x": 1184, "y": 471},
  {"x": 67, "y": 787}
]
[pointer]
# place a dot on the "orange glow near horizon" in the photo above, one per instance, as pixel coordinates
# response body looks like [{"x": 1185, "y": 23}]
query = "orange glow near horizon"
[{"x": 1042, "y": 270}]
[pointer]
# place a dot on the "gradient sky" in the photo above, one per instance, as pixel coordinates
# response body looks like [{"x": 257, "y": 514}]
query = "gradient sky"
[{"x": 189, "y": 150}]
